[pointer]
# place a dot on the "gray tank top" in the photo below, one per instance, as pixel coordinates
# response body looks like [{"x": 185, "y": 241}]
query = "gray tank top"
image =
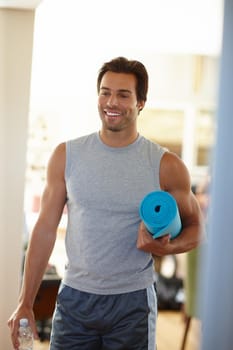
[{"x": 105, "y": 186}]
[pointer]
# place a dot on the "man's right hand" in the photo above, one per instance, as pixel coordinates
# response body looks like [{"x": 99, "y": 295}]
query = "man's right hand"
[{"x": 13, "y": 324}]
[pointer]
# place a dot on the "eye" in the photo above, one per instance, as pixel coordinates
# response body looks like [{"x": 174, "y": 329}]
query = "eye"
[
  {"x": 104, "y": 93},
  {"x": 124, "y": 95}
]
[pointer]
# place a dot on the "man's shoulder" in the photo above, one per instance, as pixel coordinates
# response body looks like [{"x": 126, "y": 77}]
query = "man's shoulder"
[
  {"x": 82, "y": 139},
  {"x": 152, "y": 144}
]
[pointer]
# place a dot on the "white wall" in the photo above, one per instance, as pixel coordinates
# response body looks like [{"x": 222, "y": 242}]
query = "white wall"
[{"x": 16, "y": 33}]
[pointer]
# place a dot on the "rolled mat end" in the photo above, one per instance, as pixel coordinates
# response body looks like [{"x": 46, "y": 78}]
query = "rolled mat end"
[{"x": 159, "y": 212}]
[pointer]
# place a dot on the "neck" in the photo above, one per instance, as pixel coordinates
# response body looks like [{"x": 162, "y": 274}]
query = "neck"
[{"x": 117, "y": 139}]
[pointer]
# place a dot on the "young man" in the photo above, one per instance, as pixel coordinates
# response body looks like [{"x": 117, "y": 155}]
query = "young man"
[{"x": 107, "y": 299}]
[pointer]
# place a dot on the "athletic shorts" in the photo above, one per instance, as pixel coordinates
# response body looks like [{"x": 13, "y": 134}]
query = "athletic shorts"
[{"x": 85, "y": 321}]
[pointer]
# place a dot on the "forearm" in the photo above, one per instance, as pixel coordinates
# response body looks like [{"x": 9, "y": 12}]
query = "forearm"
[
  {"x": 188, "y": 239},
  {"x": 37, "y": 257}
]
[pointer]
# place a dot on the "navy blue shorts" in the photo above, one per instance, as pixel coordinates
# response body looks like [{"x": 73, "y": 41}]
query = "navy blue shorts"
[{"x": 88, "y": 321}]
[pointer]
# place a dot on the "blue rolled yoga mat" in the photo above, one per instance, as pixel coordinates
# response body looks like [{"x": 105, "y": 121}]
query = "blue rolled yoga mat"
[{"x": 159, "y": 212}]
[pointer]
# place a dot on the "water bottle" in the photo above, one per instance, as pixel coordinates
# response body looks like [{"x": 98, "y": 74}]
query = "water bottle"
[{"x": 25, "y": 335}]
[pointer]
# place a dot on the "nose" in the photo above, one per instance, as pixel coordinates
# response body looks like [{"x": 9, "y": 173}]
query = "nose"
[{"x": 112, "y": 101}]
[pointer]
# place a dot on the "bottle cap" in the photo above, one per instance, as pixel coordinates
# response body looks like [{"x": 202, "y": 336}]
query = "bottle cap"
[{"x": 23, "y": 322}]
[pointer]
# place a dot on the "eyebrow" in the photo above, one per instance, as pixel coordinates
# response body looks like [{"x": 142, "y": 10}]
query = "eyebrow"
[{"x": 120, "y": 90}]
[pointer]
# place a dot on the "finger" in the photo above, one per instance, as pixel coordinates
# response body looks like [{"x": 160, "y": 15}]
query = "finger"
[
  {"x": 14, "y": 333},
  {"x": 34, "y": 331},
  {"x": 165, "y": 239}
]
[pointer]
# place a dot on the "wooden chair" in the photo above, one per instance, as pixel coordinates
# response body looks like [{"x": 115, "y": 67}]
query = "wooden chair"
[{"x": 45, "y": 303}]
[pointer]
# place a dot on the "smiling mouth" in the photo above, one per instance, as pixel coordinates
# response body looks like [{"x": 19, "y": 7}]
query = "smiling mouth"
[{"x": 112, "y": 114}]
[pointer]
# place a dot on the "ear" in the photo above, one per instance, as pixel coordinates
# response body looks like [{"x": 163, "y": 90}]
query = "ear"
[{"x": 140, "y": 105}]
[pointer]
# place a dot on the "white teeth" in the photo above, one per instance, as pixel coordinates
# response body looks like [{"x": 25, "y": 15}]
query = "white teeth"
[{"x": 113, "y": 114}]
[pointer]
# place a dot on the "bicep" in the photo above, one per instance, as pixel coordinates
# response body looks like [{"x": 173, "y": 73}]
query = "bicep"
[
  {"x": 189, "y": 209},
  {"x": 54, "y": 195},
  {"x": 175, "y": 178},
  {"x": 174, "y": 175}
]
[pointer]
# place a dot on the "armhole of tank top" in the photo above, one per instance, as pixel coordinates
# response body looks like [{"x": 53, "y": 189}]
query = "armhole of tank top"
[
  {"x": 163, "y": 150},
  {"x": 67, "y": 164}
]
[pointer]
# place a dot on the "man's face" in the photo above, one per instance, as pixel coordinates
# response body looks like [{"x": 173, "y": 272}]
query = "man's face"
[{"x": 117, "y": 101}]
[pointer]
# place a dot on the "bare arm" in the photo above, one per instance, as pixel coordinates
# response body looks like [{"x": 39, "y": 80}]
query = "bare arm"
[
  {"x": 175, "y": 179},
  {"x": 42, "y": 241}
]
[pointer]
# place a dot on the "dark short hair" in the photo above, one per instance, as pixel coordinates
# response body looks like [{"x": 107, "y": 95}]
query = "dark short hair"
[{"x": 123, "y": 65}]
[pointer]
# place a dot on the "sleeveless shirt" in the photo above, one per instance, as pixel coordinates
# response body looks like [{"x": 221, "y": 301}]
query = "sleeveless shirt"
[{"x": 105, "y": 186}]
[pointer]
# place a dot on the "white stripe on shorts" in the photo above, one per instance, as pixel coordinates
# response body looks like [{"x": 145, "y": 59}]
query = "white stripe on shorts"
[{"x": 152, "y": 303}]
